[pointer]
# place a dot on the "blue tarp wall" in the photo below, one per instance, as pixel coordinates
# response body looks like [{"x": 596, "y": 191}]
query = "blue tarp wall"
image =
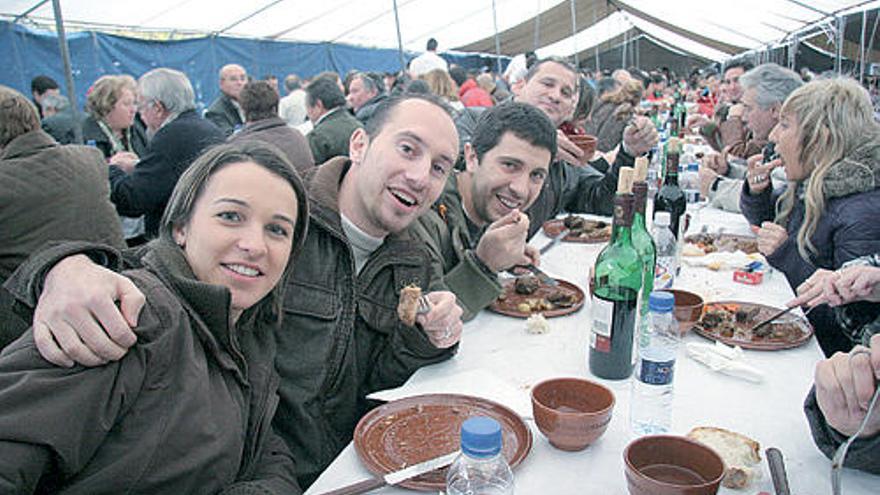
[{"x": 28, "y": 53}]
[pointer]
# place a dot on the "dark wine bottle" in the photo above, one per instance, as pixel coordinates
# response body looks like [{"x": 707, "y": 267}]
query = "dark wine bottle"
[
  {"x": 670, "y": 197},
  {"x": 614, "y": 292},
  {"x": 643, "y": 243}
]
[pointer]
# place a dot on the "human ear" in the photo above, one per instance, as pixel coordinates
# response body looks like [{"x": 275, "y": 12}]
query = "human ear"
[
  {"x": 470, "y": 157},
  {"x": 180, "y": 235},
  {"x": 357, "y": 145}
]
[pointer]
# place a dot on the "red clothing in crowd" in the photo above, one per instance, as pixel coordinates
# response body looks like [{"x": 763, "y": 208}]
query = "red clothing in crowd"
[{"x": 472, "y": 95}]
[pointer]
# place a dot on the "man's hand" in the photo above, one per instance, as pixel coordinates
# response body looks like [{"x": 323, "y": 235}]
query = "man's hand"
[
  {"x": 758, "y": 175},
  {"x": 503, "y": 244},
  {"x": 442, "y": 324},
  {"x": 568, "y": 151},
  {"x": 716, "y": 162},
  {"x": 707, "y": 178},
  {"x": 816, "y": 289},
  {"x": 76, "y": 320},
  {"x": 640, "y": 136},
  {"x": 770, "y": 237},
  {"x": 124, "y": 160},
  {"x": 844, "y": 386}
]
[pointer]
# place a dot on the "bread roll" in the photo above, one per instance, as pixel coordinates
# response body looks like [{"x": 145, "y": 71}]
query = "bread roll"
[{"x": 739, "y": 453}]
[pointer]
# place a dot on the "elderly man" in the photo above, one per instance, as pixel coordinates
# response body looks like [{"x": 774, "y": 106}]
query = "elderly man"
[
  {"x": 292, "y": 108},
  {"x": 259, "y": 100},
  {"x": 166, "y": 103},
  {"x": 333, "y": 125},
  {"x": 341, "y": 337},
  {"x": 225, "y": 112},
  {"x": 765, "y": 88},
  {"x": 59, "y": 120},
  {"x": 476, "y": 229},
  {"x": 365, "y": 93},
  {"x": 427, "y": 61},
  {"x": 48, "y": 192},
  {"x": 551, "y": 85}
]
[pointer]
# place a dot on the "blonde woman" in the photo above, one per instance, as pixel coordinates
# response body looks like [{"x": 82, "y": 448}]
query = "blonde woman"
[
  {"x": 109, "y": 126},
  {"x": 829, "y": 146},
  {"x": 442, "y": 85},
  {"x": 613, "y": 112}
]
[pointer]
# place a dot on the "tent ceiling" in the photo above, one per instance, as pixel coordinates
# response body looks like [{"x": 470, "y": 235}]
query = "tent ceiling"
[{"x": 710, "y": 29}]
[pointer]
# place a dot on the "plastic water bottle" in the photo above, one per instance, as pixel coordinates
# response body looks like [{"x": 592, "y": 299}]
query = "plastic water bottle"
[
  {"x": 651, "y": 400},
  {"x": 667, "y": 251},
  {"x": 481, "y": 469}
]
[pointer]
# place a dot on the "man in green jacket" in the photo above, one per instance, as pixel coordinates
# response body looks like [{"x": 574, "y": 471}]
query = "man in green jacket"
[
  {"x": 476, "y": 228},
  {"x": 340, "y": 337},
  {"x": 325, "y": 106}
]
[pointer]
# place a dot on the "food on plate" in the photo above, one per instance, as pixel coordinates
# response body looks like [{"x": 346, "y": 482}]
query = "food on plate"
[
  {"x": 526, "y": 284},
  {"x": 408, "y": 305},
  {"x": 739, "y": 453},
  {"x": 580, "y": 227},
  {"x": 734, "y": 321},
  {"x": 704, "y": 243},
  {"x": 537, "y": 324}
]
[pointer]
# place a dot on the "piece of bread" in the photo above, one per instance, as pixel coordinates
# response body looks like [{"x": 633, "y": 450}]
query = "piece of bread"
[
  {"x": 408, "y": 306},
  {"x": 739, "y": 453}
]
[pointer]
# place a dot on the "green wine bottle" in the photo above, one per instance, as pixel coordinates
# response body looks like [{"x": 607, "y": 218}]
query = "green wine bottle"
[
  {"x": 614, "y": 292},
  {"x": 644, "y": 244}
]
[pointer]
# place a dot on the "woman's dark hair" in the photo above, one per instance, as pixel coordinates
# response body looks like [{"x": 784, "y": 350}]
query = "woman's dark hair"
[{"x": 192, "y": 184}]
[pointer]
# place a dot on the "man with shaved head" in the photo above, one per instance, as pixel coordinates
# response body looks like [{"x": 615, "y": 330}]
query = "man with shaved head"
[{"x": 226, "y": 112}]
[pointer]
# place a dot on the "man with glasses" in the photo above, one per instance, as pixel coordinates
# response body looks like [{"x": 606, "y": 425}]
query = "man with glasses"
[{"x": 226, "y": 112}]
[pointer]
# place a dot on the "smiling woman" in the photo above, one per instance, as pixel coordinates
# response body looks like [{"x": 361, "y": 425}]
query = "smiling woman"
[{"x": 200, "y": 381}]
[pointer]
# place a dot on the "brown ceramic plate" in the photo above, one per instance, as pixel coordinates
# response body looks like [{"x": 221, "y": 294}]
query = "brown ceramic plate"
[
  {"x": 727, "y": 243},
  {"x": 412, "y": 430},
  {"x": 596, "y": 231},
  {"x": 791, "y": 331},
  {"x": 508, "y": 302}
]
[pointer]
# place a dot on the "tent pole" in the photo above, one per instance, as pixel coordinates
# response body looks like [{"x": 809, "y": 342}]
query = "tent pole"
[
  {"x": 399, "y": 39},
  {"x": 497, "y": 39},
  {"x": 573, "y": 32},
  {"x": 623, "y": 52},
  {"x": 595, "y": 6},
  {"x": 28, "y": 11},
  {"x": 839, "y": 58},
  {"x": 68, "y": 72},
  {"x": 862, "y": 47}
]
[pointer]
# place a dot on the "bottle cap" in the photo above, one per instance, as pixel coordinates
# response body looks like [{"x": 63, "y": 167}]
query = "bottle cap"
[
  {"x": 481, "y": 437},
  {"x": 661, "y": 301},
  {"x": 662, "y": 218}
]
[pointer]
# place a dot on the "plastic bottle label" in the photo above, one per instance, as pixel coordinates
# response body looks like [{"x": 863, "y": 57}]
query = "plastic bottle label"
[
  {"x": 600, "y": 336},
  {"x": 664, "y": 274},
  {"x": 656, "y": 372}
]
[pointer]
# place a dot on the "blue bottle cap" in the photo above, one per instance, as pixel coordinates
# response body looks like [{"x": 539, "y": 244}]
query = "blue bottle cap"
[
  {"x": 661, "y": 301},
  {"x": 480, "y": 437}
]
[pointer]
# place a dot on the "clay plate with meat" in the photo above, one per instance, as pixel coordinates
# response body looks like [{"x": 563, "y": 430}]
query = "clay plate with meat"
[
  {"x": 526, "y": 295},
  {"x": 731, "y": 323},
  {"x": 726, "y": 243},
  {"x": 580, "y": 229}
]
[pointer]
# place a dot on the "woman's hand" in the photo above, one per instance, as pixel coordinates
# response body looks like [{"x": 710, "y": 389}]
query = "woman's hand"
[
  {"x": 858, "y": 283},
  {"x": 844, "y": 386},
  {"x": 816, "y": 289},
  {"x": 758, "y": 174},
  {"x": 770, "y": 237}
]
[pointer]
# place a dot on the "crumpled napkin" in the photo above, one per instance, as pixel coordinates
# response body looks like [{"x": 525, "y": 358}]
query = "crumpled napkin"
[{"x": 724, "y": 359}]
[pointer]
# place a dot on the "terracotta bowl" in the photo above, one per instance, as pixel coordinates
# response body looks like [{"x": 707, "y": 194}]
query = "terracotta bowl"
[
  {"x": 688, "y": 308},
  {"x": 571, "y": 412},
  {"x": 671, "y": 465},
  {"x": 585, "y": 142}
]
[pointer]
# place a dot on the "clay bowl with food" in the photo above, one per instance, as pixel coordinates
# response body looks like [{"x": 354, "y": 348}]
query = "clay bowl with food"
[
  {"x": 585, "y": 142},
  {"x": 572, "y": 412},
  {"x": 688, "y": 309},
  {"x": 671, "y": 465}
]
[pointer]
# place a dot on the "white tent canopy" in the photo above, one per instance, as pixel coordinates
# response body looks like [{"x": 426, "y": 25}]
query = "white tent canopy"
[{"x": 688, "y": 25}]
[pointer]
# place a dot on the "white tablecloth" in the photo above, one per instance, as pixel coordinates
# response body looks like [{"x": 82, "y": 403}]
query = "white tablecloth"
[{"x": 499, "y": 347}]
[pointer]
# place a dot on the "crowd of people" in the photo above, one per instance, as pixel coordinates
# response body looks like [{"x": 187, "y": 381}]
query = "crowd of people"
[{"x": 218, "y": 317}]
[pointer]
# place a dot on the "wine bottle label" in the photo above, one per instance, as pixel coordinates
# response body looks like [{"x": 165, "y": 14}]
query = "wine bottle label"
[
  {"x": 600, "y": 334},
  {"x": 624, "y": 205},
  {"x": 656, "y": 372}
]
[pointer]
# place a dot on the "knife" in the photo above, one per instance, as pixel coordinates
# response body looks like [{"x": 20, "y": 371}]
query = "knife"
[
  {"x": 777, "y": 471},
  {"x": 543, "y": 277},
  {"x": 395, "y": 477},
  {"x": 553, "y": 242}
]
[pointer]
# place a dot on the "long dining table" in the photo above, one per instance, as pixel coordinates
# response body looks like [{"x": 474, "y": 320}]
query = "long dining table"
[{"x": 498, "y": 359}]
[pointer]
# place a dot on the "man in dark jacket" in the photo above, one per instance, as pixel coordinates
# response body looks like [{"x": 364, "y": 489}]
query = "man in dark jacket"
[
  {"x": 572, "y": 185},
  {"x": 167, "y": 105},
  {"x": 260, "y": 104},
  {"x": 373, "y": 87},
  {"x": 59, "y": 120},
  {"x": 341, "y": 337},
  {"x": 325, "y": 106},
  {"x": 225, "y": 112}
]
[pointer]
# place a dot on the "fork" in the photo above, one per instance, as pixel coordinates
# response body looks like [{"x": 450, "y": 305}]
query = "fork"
[
  {"x": 424, "y": 305},
  {"x": 840, "y": 453}
]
